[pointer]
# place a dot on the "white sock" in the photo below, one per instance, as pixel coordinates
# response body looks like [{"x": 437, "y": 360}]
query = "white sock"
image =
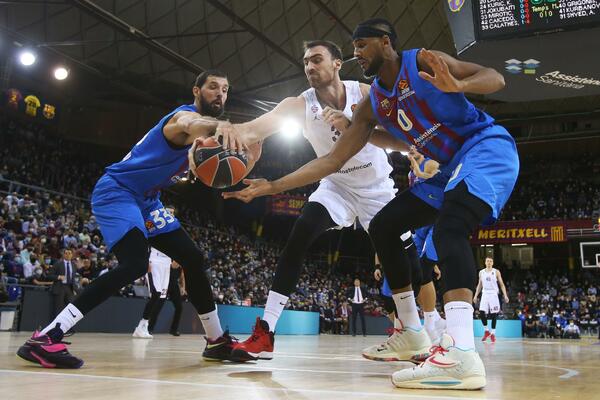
[
  {"x": 493, "y": 331},
  {"x": 143, "y": 322},
  {"x": 68, "y": 317},
  {"x": 273, "y": 309},
  {"x": 430, "y": 319},
  {"x": 211, "y": 324},
  {"x": 459, "y": 324},
  {"x": 407, "y": 309},
  {"x": 486, "y": 328}
]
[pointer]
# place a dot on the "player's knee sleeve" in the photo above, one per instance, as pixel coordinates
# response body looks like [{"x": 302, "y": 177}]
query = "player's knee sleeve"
[
  {"x": 451, "y": 237},
  {"x": 416, "y": 273},
  {"x": 461, "y": 213},
  {"x": 427, "y": 270},
  {"x": 313, "y": 221},
  {"x": 132, "y": 254}
]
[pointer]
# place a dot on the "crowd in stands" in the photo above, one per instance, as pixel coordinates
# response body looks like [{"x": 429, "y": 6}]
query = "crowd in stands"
[
  {"x": 556, "y": 188},
  {"x": 559, "y": 305},
  {"x": 37, "y": 224}
]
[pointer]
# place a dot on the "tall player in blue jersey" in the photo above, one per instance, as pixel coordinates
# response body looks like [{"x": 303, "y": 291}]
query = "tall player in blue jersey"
[
  {"x": 127, "y": 206},
  {"x": 418, "y": 96}
]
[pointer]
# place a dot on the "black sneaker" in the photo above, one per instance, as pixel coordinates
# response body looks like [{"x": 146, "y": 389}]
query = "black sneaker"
[
  {"x": 175, "y": 333},
  {"x": 49, "y": 351},
  {"x": 220, "y": 348}
]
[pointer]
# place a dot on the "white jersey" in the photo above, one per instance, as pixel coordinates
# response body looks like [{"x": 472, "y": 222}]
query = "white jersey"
[
  {"x": 367, "y": 168},
  {"x": 489, "y": 280}
]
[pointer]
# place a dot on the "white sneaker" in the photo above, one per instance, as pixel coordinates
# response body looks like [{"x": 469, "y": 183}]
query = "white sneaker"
[
  {"x": 448, "y": 367},
  {"x": 436, "y": 331},
  {"x": 141, "y": 332},
  {"x": 402, "y": 345}
]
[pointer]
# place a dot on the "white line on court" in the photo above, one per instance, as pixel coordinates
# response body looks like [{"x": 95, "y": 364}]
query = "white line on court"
[
  {"x": 569, "y": 372},
  {"x": 229, "y": 386},
  {"x": 313, "y": 356}
]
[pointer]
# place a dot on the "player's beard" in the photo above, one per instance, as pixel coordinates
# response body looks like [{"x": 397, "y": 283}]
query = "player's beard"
[
  {"x": 374, "y": 67},
  {"x": 211, "y": 109}
]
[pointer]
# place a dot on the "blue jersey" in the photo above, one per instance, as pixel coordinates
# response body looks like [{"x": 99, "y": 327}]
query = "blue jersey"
[
  {"x": 437, "y": 123},
  {"x": 153, "y": 163}
]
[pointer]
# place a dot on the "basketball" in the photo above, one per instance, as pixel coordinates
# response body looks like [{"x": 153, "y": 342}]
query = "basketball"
[{"x": 219, "y": 168}]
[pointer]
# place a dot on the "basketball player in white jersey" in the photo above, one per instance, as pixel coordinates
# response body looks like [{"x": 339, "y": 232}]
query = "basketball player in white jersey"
[
  {"x": 158, "y": 284},
  {"x": 489, "y": 307},
  {"x": 357, "y": 191}
]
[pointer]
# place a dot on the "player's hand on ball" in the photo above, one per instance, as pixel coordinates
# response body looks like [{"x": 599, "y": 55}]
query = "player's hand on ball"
[
  {"x": 336, "y": 118},
  {"x": 232, "y": 139},
  {"x": 442, "y": 78},
  {"x": 256, "y": 188},
  {"x": 191, "y": 163}
]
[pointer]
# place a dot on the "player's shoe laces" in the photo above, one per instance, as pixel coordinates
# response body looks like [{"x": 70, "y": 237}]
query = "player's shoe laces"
[
  {"x": 448, "y": 367},
  {"x": 259, "y": 346},
  {"x": 402, "y": 345},
  {"x": 485, "y": 336},
  {"x": 141, "y": 331},
  {"x": 49, "y": 350},
  {"x": 220, "y": 348}
]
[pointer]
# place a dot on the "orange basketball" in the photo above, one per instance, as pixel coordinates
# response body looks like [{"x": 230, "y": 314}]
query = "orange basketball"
[{"x": 219, "y": 168}]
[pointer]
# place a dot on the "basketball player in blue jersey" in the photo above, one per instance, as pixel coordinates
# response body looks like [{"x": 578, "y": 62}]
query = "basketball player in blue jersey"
[
  {"x": 418, "y": 96},
  {"x": 127, "y": 206}
]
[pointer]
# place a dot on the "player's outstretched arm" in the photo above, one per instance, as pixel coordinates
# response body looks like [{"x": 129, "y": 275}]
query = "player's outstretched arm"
[
  {"x": 190, "y": 124},
  {"x": 385, "y": 140},
  {"x": 451, "y": 75},
  {"x": 350, "y": 143},
  {"x": 257, "y": 130}
]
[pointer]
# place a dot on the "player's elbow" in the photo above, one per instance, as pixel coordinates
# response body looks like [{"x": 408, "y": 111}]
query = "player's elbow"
[{"x": 500, "y": 83}]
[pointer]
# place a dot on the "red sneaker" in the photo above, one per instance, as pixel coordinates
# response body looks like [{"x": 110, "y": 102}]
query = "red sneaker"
[
  {"x": 259, "y": 346},
  {"x": 487, "y": 335},
  {"x": 493, "y": 338}
]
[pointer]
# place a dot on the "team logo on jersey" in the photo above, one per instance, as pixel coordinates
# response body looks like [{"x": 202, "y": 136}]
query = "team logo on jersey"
[
  {"x": 150, "y": 227},
  {"x": 385, "y": 104},
  {"x": 314, "y": 109},
  {"x": 404, "y": 89},
  {"x": 455, "y": 5}
]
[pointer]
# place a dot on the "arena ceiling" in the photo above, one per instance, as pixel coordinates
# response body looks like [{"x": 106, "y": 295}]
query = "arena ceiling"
[{"x": 153, "y": 49}]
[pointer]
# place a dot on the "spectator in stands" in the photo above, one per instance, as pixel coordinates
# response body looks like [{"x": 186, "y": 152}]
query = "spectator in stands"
[
  {"x": 531, "y": 330},
  {"x": 571, "y": 331}
]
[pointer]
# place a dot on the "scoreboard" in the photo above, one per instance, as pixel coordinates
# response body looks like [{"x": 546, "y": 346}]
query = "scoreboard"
[
  {"x": 502, "y": 18},
  {"x": 546, "y": 49}
]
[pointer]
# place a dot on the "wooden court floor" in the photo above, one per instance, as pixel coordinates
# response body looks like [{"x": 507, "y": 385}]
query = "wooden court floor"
[{"x": 305, "y": 367}]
